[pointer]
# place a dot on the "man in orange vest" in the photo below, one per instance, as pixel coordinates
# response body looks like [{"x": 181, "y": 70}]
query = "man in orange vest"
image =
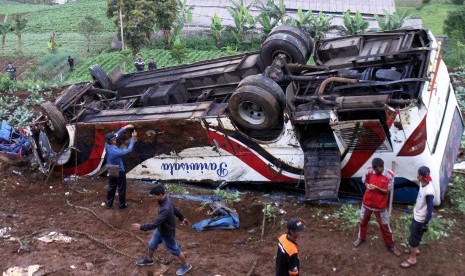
[{"x": 287, "y": 257}]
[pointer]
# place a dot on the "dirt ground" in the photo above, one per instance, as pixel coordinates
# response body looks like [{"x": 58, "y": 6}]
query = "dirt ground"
[{"x": 104, "y": 244}]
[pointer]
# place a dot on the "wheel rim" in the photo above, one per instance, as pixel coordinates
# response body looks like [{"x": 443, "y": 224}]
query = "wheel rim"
[
  {"x": 281, "y": 51},
  {"x": 252, "y": 113}
]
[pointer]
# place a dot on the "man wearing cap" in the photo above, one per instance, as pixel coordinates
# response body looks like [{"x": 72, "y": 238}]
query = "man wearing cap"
[
  {"x": 287, "y": 257},
  {"x": 165, "y": 230},
  {"x": 378, "y": 182},
  {"x": 422, "y": 214},
  {"x": 115, "y": 157}
]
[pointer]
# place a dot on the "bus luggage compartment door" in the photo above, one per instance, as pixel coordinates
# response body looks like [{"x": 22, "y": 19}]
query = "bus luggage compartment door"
[{"x": 322, "y": 173}]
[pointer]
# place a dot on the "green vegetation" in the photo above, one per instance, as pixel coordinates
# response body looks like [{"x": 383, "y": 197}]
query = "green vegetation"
[
  {"x": 349, "y": 214},
  {"x": 228, "y": 197},
  {"x": 176, "y": 189},
  {"x": 270, "y": 211},
  {"x": 456, "y": 194}
]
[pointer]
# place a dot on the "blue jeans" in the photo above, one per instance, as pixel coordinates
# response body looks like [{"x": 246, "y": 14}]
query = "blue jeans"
[{"x": 169, "y": 242}]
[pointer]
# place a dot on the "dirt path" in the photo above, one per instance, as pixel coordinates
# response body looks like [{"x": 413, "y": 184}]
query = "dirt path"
[{"x": 107, "y": 246}]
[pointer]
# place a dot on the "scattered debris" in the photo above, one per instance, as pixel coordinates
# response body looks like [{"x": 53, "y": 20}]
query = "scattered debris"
[
  {"x": 32, "y": 270},
  {"x": 5, "y": 232},
  {"x": 55, "y": 237},
  {"x": 162, "y": 269},
  {"x": 89, "y": 266}
]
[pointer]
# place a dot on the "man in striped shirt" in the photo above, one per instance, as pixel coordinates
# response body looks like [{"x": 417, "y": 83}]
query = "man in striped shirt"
[{"x": 378, "y": 182}]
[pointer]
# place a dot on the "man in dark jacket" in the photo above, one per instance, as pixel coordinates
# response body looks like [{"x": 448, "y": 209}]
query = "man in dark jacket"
[
  {"x": 71, "y": 63},
  {"x": 115, "y": 157},
  {"x": 165, "y": 230},
  {"x": 139, "y": 63},
  {"x": 287, "y": 257},
  {"x": 11, "y": 70},
  {"x": 152, "y": 64}
]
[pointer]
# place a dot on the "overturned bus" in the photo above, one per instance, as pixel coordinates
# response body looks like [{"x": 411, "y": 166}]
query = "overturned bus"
[{"x": 269, "y": 117}]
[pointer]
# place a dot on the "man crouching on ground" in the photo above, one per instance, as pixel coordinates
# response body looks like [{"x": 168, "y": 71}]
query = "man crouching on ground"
[{"x": 165, "y": 230}]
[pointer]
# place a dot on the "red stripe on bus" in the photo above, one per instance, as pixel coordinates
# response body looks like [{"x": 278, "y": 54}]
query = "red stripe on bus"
[
  {"x": 250, "y": 158},
  {"x": 92, "y": 163}
]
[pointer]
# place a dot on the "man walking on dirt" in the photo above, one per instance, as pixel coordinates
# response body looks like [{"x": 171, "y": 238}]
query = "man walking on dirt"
[
  {"x": 422, "y": 214},
  {"x": 11, "y": 70},
  {"x": 287, "y": 257},
  {"x": 165, "y": 230},
  {"x": 115, "y": 160},
  {"x": 378, "y": 182}
]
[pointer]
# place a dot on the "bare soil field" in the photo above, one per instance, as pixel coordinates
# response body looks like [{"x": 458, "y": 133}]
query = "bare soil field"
[{"x": 104, "y": 244}]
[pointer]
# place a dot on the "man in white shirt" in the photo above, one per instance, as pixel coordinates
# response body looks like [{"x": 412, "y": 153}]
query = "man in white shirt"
[{"x": 422, "y": 214}]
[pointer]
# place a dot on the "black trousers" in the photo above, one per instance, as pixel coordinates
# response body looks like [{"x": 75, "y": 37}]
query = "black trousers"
[{"x": 113, "y": 183}]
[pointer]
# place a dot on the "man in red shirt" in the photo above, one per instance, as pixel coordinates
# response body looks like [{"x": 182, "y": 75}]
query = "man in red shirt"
[{"x": 378, "y": 182}]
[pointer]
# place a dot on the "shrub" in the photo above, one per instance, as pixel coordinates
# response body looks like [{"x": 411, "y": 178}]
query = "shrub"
[
  {"x": 458, "y": 2},
  {"x": 200, "y": 42},
  {"x": 350, "y": 215}
]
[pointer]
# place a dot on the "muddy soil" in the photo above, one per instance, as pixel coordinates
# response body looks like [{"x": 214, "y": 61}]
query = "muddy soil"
[{"x": 104, "y": 244}]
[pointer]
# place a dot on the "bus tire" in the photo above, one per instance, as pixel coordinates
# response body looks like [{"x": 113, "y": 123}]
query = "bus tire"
[
  {"x": 100, "y": 77},
  {"x": 254, "y": 108},
  {"x": 282, "y": 43},
  {"x": 265, "y": 83},
  {"x": 298, "y": 33},
  {"x": 57, "y": 120}
]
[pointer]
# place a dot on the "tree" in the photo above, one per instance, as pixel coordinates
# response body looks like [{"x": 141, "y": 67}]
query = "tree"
[
  {"x": 354, "y": 25},
  {"x": 19, "y": 24},
  {"x": 166, "y": 12},
  {"x": 392, "y": 21},
  {"x": 5, "y": 28},
  {"x": 89, "y": 26},
  {"x": 453, "y": 25},
  {"x": 139, "y": 17}
]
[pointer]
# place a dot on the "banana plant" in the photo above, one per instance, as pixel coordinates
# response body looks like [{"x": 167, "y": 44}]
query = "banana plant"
[
  {"x": 217, "y": 30},
  {"x": 320, "y": 25},
  {"x": 392, "y": 21},
  {"x": 354, "y": 24},
  {"x": 184, "y": 16},
  {"x": 271, "y": 14},
  {"x": 243, "y": 22}
]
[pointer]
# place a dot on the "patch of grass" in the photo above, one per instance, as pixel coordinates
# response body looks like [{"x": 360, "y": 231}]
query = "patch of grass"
[{"x": 432, "y": 15}]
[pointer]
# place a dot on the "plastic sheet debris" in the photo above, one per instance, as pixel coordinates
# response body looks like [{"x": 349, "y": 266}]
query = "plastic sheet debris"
[
  {"x": 225, "y": 218},
  {"x": 55, "y": 237},
  {"x": 32, "y": 270},
  {"x": 5, "y": 232}
]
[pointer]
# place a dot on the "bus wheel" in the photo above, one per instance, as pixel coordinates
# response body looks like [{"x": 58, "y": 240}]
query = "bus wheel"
[
  {"x": 58, "y": 122},
  {"x": 265, "y": 83},
  {"x": 298, "y": 33},
  {"x": 254, "y": 108},
  {"x": 100, "y": 77},
  {"x": 282, "y": 43}
]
